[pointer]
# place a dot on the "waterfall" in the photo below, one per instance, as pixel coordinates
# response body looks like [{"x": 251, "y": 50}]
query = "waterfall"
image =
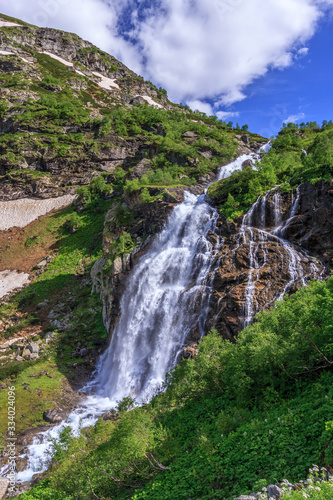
[
  {"x": 253, "y": 233},
  {"x": 166, "y": 298},
  {"x": 161, "y": 305}
]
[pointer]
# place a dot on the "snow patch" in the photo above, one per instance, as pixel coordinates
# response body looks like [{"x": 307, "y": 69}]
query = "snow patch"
[
  {"x": 60, "y": 59},
  {"x": 106, "y": 83},
  {"x": 10, "y": 280},
  {"x": 6, "y": 53},
  {"x": 7, "y": 24},
  {"x": 21, "y": 212},
  {"x": 151, "y": 101}
]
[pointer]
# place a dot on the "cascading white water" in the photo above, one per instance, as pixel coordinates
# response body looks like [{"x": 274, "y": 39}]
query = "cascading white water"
[
  {"x": 166, "y": 297},
  {"x": 159, "y": 306},
  {"x": 252, "y": 233}
]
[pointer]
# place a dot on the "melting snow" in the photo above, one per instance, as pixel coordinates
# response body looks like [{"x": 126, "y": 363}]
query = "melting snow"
[
  {"x": 10, "y": 280},
  {"x": 20, "y": 213},
  {"x": 6, "y": 53},
  {"x": 151, "y": 101},
  {"x": 7, "y": 24},
  {"x": 106, "y": 83},
  {"x": 60, "y": 59}
]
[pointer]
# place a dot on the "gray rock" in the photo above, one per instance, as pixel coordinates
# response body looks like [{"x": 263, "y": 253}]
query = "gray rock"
[
  {"x": 117, "y": 265},
  {"x": 43, "y": 263},
  {"x": 84, "y": 353},
  {"x": 247, "y": 497},
  {"x": 190, "y": 134},
  {"x": 4, "y": 483},
  {"x": 76, "y": 354},
  {"x": 26, "y": 353},
  {"x": 19, "y": 358},
  {"x": 18, "y": 345},
  {"x": 57, "y": 325},
  {"x": 110, "y": 416},
  {"x": 50, "y": 336},
  {"x": 274, "y": 492},
  {"x": 33, "y": 356},
  {"x": 53, "y": 416},
  {"x": 41, "y": 305},
  {"x": 33, "y": 348}
]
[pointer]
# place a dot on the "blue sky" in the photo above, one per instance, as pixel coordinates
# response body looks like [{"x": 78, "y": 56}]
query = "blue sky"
[{"x": 258, "y": 62}]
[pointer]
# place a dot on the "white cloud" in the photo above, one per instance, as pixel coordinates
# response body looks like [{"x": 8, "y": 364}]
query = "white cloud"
[
  {"x": 201, "y": 49},
  {"x": 93, "y": 20},
  {"x": 201, "y": 106},
  {"x": 225, "y": 115},
  {"x": 294, "y": 118},
  {"x": 198, "y": 50},
  {"x": 303, "y": 52}
]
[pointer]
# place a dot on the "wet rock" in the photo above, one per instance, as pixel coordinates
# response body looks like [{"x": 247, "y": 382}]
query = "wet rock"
[
  {"x": 99, "y": 342},
  {"x": 247, "y": 163},
  {"x": 53, "y": 416},
  {"x": 84, "y": 352},
  {"x": 110, "y": 416}
]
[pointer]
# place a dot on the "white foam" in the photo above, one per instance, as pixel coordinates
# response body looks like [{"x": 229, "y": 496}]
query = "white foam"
[
  {"x": 19, "y": 213},
  {"x": 10, "y": 280}
]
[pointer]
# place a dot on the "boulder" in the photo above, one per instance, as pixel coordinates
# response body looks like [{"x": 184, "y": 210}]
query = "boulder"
[
  {"x": 26, "y": 353},
  {"x": 247, "y": 497},
  {"x": 4, "y": 483},
  {"x": 53, "y": 416},
  {"x": 247, "y": 163},
  {"x": 33, "y": 348},
  {"x": 274, "y": 492},
  {"x": 50, "y": 336},
  {"x": 190, "y": 134}
]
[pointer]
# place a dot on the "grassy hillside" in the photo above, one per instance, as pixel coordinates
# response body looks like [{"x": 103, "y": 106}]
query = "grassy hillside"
[{"x": 236, "y": 418}]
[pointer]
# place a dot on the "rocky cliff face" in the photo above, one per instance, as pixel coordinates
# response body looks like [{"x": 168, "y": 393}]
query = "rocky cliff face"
[{"x": 286, "y": 241}]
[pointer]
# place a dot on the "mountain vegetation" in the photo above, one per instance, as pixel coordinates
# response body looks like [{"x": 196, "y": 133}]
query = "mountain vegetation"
[{"x": 240, "y": 414}]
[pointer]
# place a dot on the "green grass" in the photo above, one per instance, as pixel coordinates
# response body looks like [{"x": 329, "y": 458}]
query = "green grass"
[{"x": 235, "y": 418}]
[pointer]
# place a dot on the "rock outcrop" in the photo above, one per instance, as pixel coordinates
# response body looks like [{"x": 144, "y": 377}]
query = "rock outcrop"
[{"x": 271, "y": 254}]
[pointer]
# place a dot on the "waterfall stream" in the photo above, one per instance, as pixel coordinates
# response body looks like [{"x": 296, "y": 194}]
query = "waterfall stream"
[{"x": 166, "y": 297}]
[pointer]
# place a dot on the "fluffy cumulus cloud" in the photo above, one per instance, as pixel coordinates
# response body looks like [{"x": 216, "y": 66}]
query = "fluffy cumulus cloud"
[
  {"x": 93, "y": 20},
  {"x": 199, "y": 51}
]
